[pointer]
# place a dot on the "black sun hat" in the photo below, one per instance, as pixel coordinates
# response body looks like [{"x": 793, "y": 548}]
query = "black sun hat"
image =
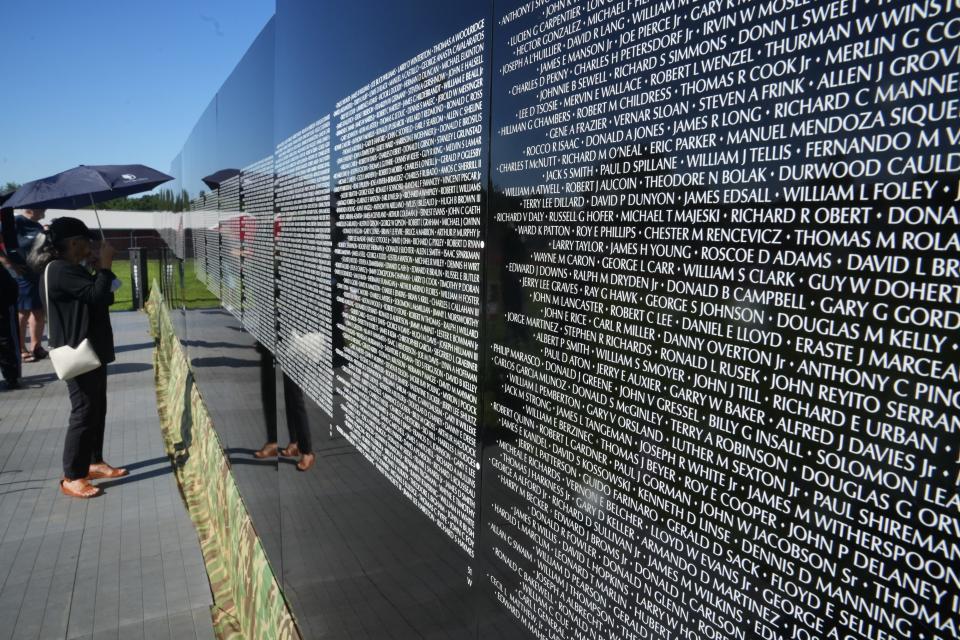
[{"x": 66, "y": 227}]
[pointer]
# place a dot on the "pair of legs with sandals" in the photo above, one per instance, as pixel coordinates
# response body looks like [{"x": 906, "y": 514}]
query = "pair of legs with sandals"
[
  {"x": 292, "y": 450},
  {"x": 83, "y": 446},
  {"x": 298, "y": 427}
]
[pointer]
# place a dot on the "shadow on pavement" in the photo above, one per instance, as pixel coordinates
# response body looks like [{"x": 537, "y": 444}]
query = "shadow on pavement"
[
  {"x": 224, "y": 361},
  {"x": 134, "y": 477},
  {"x": 133, "y": 347},
  {"x": 127, "y": 367}
]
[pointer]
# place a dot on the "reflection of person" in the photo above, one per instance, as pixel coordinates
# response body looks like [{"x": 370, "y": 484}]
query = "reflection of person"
[
  {"x": 301, "y": 442},
  {"x": 79, "y": 308},
  {"x": 298, "y": 428},
  {"x": 29, "y": 303}
]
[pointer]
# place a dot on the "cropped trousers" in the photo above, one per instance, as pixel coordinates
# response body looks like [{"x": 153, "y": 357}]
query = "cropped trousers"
[
  {"x": 83, "y": 445},
  {"x": 297, "y": 423}
]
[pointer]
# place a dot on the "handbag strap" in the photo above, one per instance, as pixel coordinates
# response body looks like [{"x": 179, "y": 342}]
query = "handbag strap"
[{"x": 46, "y": 295}]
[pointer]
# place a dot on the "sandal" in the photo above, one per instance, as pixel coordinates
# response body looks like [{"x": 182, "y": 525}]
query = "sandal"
[
  {"x": 85, "y": 490},
  {"x": 306, "y": 461},
  {"x": 39, "y": 353},
  {"x": 103, "y": 470},
  {"x": 268, "y": 450},
  {"x": 290, "y": 451},
  {"x": 26, "y": 356}
]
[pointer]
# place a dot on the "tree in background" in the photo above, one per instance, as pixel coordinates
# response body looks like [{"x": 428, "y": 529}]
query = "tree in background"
[{"x": 163, "y": 200}]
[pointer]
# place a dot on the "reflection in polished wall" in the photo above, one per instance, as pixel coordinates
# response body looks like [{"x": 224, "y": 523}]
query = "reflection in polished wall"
[
  {"x": 589, "y": 319},
  {"x": 232, "y": 238},
  {"x": 257, "y": 232},
  {"x": 305, "y": 278},
  {"x": 408, "y": 189}
]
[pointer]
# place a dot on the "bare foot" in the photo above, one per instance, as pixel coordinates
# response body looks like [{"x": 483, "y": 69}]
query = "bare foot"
[
  {"x": 290, "y": 451},
  {"x": 268, "y": 450}
]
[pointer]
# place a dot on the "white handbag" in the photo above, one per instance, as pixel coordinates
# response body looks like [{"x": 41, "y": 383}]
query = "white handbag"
[{"x": 70, "y": 362}]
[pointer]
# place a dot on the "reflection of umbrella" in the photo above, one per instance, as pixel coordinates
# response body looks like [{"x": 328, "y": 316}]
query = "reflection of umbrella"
[
  {"x": 214, "y": 179},
  {"x": 83, "y": 185}
]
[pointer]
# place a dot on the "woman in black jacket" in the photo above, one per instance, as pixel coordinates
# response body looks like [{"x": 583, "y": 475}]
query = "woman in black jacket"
[{"x": 79, "y": 307}]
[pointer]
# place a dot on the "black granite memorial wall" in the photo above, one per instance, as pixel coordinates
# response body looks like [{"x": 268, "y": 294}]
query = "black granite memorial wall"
[{"x": 590, "y": 318}]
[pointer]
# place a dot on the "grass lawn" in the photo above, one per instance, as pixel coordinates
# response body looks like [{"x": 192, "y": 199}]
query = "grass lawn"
[{"x": 196, "y": 293}]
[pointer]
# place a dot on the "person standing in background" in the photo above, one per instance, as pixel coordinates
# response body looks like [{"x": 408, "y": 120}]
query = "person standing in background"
[{"x": 30, "y": 304}]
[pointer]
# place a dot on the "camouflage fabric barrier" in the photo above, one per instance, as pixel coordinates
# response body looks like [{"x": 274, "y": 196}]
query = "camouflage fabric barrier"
[{"x": 248, "y": 603}]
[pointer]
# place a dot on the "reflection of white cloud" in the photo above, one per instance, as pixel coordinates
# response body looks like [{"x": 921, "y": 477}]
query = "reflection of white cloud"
[
  {"x": 308, "y": 346},
  {"x": 589, "y": 498}
]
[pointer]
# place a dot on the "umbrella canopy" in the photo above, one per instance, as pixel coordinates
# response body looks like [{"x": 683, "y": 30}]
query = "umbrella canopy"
[
  {"x": 214, "y": 179},
  {"x": 84, "y": 185}
]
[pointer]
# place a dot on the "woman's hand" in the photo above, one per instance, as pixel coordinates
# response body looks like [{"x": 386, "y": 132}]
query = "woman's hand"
[{"x": 106, "y": 256}]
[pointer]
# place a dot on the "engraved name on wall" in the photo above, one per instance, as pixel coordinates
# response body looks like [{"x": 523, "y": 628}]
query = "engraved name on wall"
[
  {"x": 728, "y": 342},
  {"x": 408, "y": 172}
]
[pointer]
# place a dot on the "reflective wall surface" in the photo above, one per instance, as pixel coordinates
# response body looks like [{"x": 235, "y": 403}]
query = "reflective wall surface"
[{"x": 588, "y": 319}]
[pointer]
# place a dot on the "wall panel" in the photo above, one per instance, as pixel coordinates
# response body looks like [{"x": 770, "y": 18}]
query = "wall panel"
[{"x": 599, "y": 319}]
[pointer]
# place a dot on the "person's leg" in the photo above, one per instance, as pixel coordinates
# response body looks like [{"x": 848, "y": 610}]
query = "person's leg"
[
  {"x": 268, "y": 392},
  {"x": 23, "y": 319},
  {"x": 78, "y": 444},
  {"x": 98, "y": 467},
  {"x": 37, "y": 320},
  {"x": 297, "y": 423},
  {"x": 99, "y": 417},
  {"x": 268, "y": 398},
  {"x": 292, "y": 450},
  {"x": 9, "y": 353},
  {"x": 26, "y": 303}
]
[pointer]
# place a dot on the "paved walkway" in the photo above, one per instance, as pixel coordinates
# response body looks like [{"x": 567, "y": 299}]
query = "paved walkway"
[{"x": 125, "y": 565}]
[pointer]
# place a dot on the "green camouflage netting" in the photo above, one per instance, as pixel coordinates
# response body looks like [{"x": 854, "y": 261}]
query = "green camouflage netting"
[{"x": 248, "y": 602}]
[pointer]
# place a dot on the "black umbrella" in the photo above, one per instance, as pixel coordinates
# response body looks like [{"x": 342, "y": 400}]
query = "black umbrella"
[
  {"x": 83, "y": 185},
  {"x": 215, "y": 179}
]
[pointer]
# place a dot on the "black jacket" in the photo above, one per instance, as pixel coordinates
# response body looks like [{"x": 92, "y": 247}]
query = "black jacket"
[
  {"x": 9, "y": 290},
  {"x": 79, "y": 307}
]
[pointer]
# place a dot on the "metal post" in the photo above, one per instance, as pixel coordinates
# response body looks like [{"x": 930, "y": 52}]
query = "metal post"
[{"x": 138, "y": 276}]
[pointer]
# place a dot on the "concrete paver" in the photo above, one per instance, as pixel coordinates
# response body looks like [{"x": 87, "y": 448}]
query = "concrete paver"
[{"x": 124, "y": 565}]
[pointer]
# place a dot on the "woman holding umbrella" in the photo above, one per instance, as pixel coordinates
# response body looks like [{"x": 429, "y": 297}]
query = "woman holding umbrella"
[
  {"x": 79, "y": 308},
  {"x": 78, "y": 301}
]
